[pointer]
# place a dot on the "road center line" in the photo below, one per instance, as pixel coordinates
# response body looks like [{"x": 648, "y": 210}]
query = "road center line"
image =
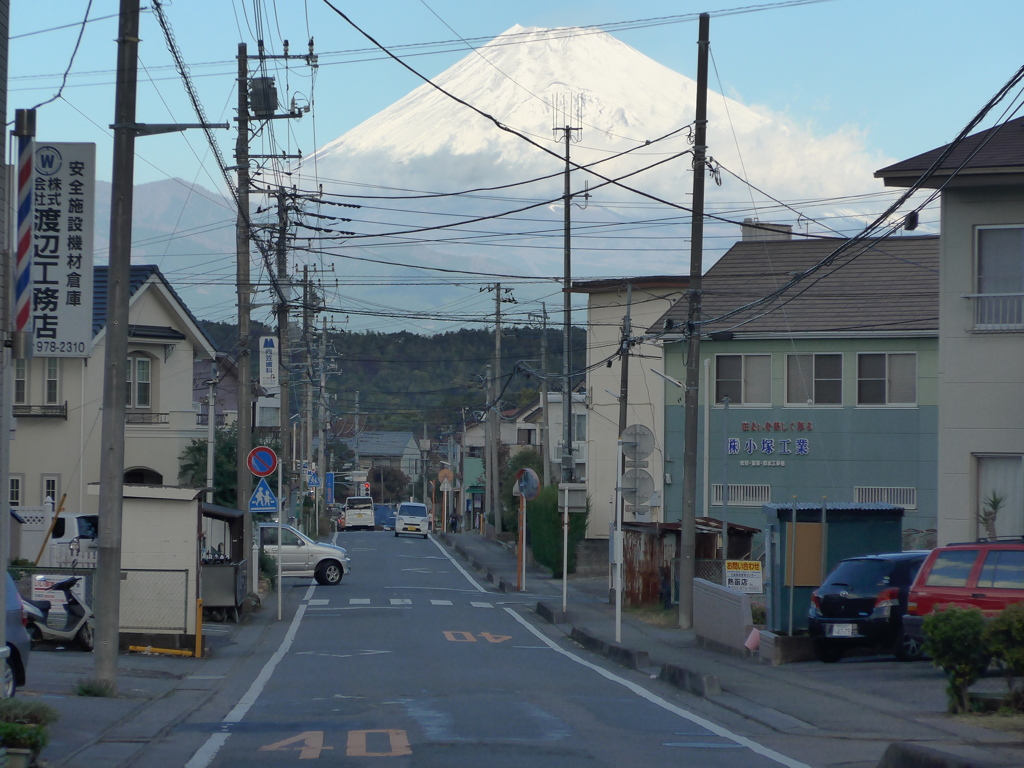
[
  {"x": 643, "y": 693},
  {"x": 206, "y": 753}
]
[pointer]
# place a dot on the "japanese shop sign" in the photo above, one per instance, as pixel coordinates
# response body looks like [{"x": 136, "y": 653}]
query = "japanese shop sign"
[
  {"x": 744, "y": 576},
  {"x": 771, "y": 451},
  {"x": 63, "y": 199},
  {"x": 268, "y": 364}
]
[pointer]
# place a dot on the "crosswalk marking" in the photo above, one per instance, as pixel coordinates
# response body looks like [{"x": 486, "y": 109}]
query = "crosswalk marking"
[
  {"x": 395, "y": 601},
  {"x": 359, "y": 601},
  {"x": 440, "y": 602},
  {"x": 481, "y": 605},
  {"x": 400, "y": 601}
]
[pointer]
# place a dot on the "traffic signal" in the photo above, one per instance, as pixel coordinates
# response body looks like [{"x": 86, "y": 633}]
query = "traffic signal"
[{"x": 366, "y": 488}]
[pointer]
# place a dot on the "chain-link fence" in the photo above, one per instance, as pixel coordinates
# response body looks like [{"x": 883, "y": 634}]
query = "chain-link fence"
[{"x": 151, "y": 600}]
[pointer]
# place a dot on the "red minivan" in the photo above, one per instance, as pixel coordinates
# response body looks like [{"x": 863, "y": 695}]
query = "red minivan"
[{"x": 988, "y": 575}]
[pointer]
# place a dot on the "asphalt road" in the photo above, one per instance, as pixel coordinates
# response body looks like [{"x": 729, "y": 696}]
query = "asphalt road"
[{"x": 410, "y": 659}]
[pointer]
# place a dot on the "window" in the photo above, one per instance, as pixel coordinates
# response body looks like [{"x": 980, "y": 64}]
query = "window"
[
  {"x": 814, "y": 379},
  {"x": 525, "y": 436},
  {"x": 51, "y": 488},
  {"x": 1003, "y": 569},
  {"x": 744, "y": 379},
  {"x": 742, "y": 495},
  {"x": 1000, "y": 278},
  {"x": 21, "y": 382},
  {"x": 952, "y": 568},
  {"x": 51, "y": 387},
  {"x": 887, "y": 379},
  {"x": 14, "y": 491},
  {"x": 139, "y": 382},
  {"x": 897, "y": 496},
  {"x": 579, "y": 431}
]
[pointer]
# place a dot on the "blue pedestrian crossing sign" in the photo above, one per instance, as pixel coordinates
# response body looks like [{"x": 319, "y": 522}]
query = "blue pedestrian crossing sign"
[
  {"x": 263, "y": 499},
  {"x": 313, "y": 479}
]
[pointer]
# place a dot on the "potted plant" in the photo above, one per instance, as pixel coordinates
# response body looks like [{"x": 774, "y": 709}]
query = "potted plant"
[
  {"x": 991, "y": 506},
  {"x": 23, "y": 729}
]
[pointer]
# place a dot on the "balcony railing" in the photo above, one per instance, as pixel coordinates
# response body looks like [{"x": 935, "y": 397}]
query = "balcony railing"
[
  {"x": 27, "y": 411},
  {"x": 147, "y": 418},
  {"x": 997, "y": 311}
]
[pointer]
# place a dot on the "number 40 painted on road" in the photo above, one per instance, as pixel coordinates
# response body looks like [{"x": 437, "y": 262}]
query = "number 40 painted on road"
[{"x": 458, "y": 636}]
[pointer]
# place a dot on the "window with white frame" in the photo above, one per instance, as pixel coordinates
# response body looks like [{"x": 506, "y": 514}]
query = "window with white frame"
[
  {"x": 887, "y": 378},
  {"x": 140, "y": 384},
  {"x": 51, "y": 384},
  {"x": 14, "y": 491},
  {"x": 744, "y": 379},
  {"x": 815, "y": 379},
  {"x": 579, "y": 433},
  {"x": 999, "y": 278},
  {"x": 1000, "y": 489},
  {"x": 51, "y": 488},
  {"x": 21, "y": 381}
]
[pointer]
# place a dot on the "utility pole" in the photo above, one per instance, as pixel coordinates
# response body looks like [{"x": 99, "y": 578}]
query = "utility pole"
[
  {"x": 568, "y": 461},
  {"x": 688, "y": 533},
  {"x": 495, "y": 414},
  {"x": 623, "y": 399},
  {"x": 307, "y": 384},
  {"x": 488, "y": 464},
  {"x": 211, "y": 430},
  {"x": 424, "y": 453},
  {"x": 6, "y": 363},
  {"x": 284, "y": 364},
  {"x": 115, "y": 357},
  {"x": 544, "y": 437},
  {"x": 243, "y": 477},
  {"x": 323, "y": 463}
]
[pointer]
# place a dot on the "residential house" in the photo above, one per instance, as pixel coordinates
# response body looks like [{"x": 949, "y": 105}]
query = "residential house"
[
  {"x": 981, "y": 325},
  {"x": 826, "y": 351},
  {"x": 389, "y": 449},
  {"x": 225, "y": 406},
  {"x": 644, "y": 300},
  {"x": 57, "y": 401}
]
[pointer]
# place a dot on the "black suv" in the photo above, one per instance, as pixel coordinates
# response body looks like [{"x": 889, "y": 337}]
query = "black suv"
[{"x": 862, "y": 603}]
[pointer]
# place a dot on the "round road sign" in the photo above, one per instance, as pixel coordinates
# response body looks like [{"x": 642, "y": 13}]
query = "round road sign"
[{"x": 262, "y": 461}]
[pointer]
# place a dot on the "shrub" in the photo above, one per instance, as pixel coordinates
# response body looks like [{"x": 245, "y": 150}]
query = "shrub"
[
  {"x": 544, "y": 523},
  {"x": 268, "y": 568},
  {"x": 94, "y": 688},
  {"x": 954, "y": 640},
  {"x": 1004, "y": 637},
  {"x": 21, "y": 736},
  {"x": 27, "y": 712}
]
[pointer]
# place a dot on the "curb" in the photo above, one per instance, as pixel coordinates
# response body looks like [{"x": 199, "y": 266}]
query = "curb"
[
  {"x": 627, "y": 657},
  {"x": 906, "y": 755}
]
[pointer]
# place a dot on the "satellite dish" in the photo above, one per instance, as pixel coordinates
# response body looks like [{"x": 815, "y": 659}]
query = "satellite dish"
[
  {"x": 637, "y": 442},
  {"x": 637, "y": 486}
]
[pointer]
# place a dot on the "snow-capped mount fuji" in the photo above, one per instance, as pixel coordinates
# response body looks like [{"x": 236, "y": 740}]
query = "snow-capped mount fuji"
[{"x": 518, "y": 78}]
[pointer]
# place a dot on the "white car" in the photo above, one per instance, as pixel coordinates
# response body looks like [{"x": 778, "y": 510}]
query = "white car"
[
  {"x": 412, "y": 518},
  {"x": 301, "y": 556}
]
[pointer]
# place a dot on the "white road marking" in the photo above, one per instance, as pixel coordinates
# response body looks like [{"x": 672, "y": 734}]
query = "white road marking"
[
  {"x": 206, "y": 753},
  {"x": 319, "y": 602},
  {"x": 481, "y": 605},
  {"x": 400, "y": 601},
  {"x": 359, "y": 601},
  {"x": 462, "y": 570},
  {"x": 643, "y": 693},
  {"x": 440, "y": 602}
]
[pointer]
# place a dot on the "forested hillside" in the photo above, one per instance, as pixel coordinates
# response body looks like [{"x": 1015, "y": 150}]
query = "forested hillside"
[{"x": 405, "y": 380}]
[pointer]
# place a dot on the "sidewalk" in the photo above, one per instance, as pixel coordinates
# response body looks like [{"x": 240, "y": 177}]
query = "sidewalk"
[{"x": 865, "y": 706}]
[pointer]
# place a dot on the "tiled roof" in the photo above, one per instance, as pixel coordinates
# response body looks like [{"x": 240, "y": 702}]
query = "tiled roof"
[
  {"x": 380, "y": 443},
  {"x": 879, "y": 286},
  {"x": 138, "y": 276},
  {"x": 994, "y": 152}
]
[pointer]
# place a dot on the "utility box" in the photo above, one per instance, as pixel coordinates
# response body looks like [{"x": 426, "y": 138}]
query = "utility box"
[
  {"x": 263, "y": 96},
  {"x": 804, "y": 542}
]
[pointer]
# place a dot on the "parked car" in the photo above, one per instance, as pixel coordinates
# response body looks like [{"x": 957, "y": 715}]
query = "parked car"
[
  {"x": 987, "y": 574},
  {"x": 301, "y": 556},
  {"x": 862, "y": 604},
  {"x": 412, "y": 518},
  {"x": 18, "y": 643}
]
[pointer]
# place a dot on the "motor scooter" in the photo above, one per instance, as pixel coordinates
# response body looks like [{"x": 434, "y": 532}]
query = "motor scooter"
[{"x": 78, "y": 619}]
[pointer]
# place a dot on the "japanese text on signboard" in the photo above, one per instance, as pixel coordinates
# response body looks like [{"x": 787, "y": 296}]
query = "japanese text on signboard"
[{"x": 63, "y": 202}]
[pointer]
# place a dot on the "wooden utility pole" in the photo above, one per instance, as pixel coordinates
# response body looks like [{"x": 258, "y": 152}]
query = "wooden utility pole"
[
  {"x": 115, "y": 356},
  {"x": 688, "y": 532},
  {"x": 243, "y": 477}
]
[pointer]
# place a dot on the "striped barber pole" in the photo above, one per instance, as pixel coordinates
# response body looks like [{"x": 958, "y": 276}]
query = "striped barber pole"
[{"x": 23, "y": 259}]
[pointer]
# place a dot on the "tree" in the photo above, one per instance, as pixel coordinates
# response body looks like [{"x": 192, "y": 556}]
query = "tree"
[
  {"x": 193, "y": 465},
  {"x": 387, "y": 483},
  {"x": 528, "y": 458}
]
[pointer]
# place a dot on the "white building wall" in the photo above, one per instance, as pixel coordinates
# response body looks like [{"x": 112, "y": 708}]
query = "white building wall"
[
  {"x": 981, "y": 375},
  {"x": 646, "y": 395}
]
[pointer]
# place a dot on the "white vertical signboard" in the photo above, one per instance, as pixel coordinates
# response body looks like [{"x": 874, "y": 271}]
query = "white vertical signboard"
[
  {"x": 268, "y": 364},
  {"x": 63, "y": 190}
]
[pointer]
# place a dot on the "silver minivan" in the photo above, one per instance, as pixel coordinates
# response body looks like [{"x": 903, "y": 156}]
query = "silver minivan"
[
  {"x": 412, "y": 518},
  {"x": 301, "y": 556}
]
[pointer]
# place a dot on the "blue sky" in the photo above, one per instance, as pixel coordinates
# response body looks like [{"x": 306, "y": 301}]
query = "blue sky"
[{"x": 907, "y": 73}]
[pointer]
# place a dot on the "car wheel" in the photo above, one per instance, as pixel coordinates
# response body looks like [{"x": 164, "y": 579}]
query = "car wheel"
[
  {"x": 396, "y": 534},
  {"x": 908, "y": 648},
  {"x": 328, "y": 573},
  {"x": 85, "y": 637},
  {"x": 10, "y": 684},
  {"x": 424, "y": 535},
  {"x": 827, "y": 652}
]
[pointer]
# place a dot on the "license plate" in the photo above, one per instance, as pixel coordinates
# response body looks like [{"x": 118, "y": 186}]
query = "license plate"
[{"x": 841, "y": 630}]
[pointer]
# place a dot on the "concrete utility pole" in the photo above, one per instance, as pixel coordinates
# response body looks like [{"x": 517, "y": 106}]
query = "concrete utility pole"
[
  {"x": 488, "y": 464},
  {"x": 243, "y": 477},
  {"x": 544, "y": 436},
  {"x": 6, "y": 368},
  {"x": 284, "y": 349},
  {"x": 108, "y": 564},
  {"x": 323, "y": 462},
  {"x": 211, "y": 431},
  {"x": 623, "y": 401},
  {"x": 568, "y": 460},
  {"x": 688, "y": 532},
  {"x": 307, "y": 384},
  {"x": 496, "y": 413}
]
